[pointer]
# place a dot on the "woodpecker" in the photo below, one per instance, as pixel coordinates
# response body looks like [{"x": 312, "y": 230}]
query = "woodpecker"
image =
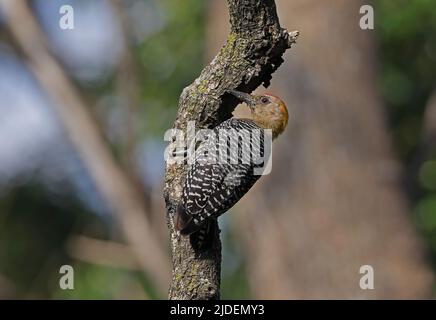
[{"x": 212, "y": 187}]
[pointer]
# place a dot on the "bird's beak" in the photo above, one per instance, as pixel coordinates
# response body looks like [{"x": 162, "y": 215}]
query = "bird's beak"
[{"x": 245, "y": 97}]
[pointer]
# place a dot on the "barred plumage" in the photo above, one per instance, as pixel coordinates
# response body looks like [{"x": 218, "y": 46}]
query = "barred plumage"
[
  {"x": 225, "y": 163},
  {"x": 212, "y": 187}
]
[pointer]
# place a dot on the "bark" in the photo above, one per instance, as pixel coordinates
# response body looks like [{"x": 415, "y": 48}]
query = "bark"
[
  {"x": 334, "y": 198},
  {"x": 252, "y": 53}
]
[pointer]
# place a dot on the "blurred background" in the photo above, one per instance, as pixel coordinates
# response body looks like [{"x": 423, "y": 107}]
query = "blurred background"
[{"x": 82, "y": 118}]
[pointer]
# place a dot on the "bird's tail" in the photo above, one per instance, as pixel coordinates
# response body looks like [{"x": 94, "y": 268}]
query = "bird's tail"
[
  {"x": 202, "y": 240},
  {"x": 201, "y": 235},
  {"x": 184, "y": 222}
]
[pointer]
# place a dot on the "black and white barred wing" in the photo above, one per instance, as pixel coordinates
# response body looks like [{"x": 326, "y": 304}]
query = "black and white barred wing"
[
  {"x": 217, "y": 180},
  {"x": 238, "y": 179}
]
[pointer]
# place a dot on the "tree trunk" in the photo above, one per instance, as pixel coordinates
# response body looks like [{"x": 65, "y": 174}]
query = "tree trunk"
[
  {"x": 252, "y": 53},
  {"x": 333, "y": 201}
]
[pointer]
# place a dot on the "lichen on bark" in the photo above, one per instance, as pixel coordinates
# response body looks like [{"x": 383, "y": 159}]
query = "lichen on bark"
[{"x": 252, "y": 53}]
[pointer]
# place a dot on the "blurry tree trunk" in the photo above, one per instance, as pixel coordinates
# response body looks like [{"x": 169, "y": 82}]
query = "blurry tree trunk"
[
  {"x": 252, "y": 53},
  {"x": 111, "y": 181},
  {"x": 7, "y": 288},
  {"x": 430, "y": 122},
  {"x": 333, "y": 201}
]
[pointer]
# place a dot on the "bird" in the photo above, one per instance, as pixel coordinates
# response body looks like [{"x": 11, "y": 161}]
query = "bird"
[{"x": 216, "y": 180}]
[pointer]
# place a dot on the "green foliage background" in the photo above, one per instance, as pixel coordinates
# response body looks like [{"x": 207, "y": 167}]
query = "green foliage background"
[{"x": 406, "y": 33}]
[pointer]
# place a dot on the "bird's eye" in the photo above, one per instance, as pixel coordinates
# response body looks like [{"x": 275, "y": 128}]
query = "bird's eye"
[{"x": 264, "y": 100}]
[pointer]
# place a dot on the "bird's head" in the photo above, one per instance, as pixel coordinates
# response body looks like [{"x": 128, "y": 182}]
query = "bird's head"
[{"x": 267, "y": 110}]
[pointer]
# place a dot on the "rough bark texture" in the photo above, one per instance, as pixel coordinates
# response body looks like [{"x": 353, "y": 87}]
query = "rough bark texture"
[
  {"x": 252, "y": 53},
  {"x": 333, "y": 200}
]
